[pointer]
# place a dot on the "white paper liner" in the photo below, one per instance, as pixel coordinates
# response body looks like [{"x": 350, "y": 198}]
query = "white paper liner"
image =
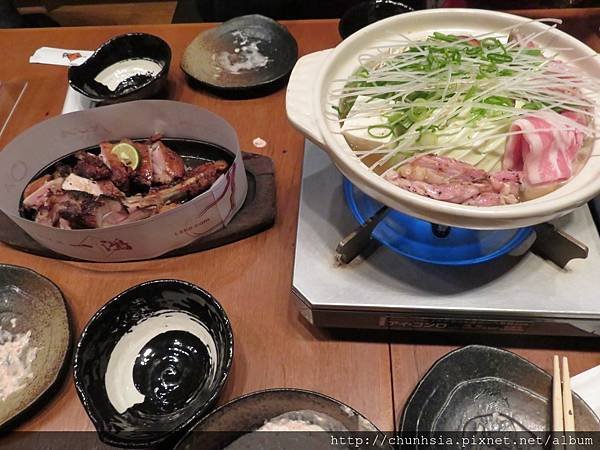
[{"x": 50, "y": 140}]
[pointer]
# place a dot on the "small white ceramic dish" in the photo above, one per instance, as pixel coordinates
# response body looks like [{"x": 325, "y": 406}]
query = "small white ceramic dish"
[{"x": 308, "y": 103}]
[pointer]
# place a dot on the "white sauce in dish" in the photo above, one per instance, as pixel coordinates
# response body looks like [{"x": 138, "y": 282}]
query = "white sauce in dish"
[
  {"x": 118, "y": 379},
  {"x": 246, "y": 56},
  {"x": 16, "y": 358},
  {"x": 287, "y": 424},
  {"x": 120, "y": 71},
  {"x": 299, "y": 421}
]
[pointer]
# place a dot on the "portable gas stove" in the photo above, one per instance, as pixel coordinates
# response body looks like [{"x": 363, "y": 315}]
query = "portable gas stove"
[{"x": 518, "y": 292}]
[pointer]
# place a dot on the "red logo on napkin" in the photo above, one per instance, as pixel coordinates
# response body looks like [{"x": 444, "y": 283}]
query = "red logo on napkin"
[{"x": 72, "y": 56}]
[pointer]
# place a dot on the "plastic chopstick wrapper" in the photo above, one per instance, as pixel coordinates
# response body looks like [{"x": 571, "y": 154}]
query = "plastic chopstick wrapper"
[{"x": 49, "y": 141}]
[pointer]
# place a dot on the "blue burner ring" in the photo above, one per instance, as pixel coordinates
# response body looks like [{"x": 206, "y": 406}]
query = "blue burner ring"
[{"x": 415, "y": 239}]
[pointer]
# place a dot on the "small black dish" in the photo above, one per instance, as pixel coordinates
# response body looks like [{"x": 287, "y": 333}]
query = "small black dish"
[
  {"x": 366, "y": 13},
  {"x": 246, "y": 54},
  {"x": 148, "y": 353},
  {"x": 478, "y": 388},
  {"x": 141, "y": 47},
  {"x": 245, "y": 414}
]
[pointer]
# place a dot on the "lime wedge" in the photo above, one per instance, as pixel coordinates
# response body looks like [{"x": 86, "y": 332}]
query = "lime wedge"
[{"x": 127, "y": 154}]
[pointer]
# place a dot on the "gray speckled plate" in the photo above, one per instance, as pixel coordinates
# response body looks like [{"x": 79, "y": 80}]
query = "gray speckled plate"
[
  {"x": 242, "y": 54},
  {"x": 241, "y": 416},
  {"x": 31, "y": 302}
]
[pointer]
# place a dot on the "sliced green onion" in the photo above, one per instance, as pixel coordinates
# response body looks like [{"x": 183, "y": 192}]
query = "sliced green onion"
[
  {"x": 491, "y": 43},
  {"x": 387, "y": 128},
  {"x": 445, "y": 37},
  {"x": 499, "y": 58},
  {"x": 532, "y": 51},
  {"x": 427, "y": 139},
  {"x": 506, "y": 73},
  {"x": 471, "y": 92},
  {"x": 417, "y": 113},
  {"x": 399, "y": 130},
  {"x": 474, "y": 51},
  {"x": 499, "y": 100},
  {"x": 533, "y": 106}
]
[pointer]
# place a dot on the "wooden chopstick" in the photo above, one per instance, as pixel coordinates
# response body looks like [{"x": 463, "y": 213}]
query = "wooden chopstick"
[
  {"x": 567, "y": 398},
  {"x": 563, "y": 418},
  {"x": 557, "y": 400}
]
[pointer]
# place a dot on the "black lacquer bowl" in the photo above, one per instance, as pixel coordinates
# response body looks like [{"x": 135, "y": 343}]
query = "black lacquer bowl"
[
  {"x": 243, "y": 415},
  {"x": 138, "y": 46},
  {"x": 481, "y": 389},
  {"x": 132, "y": 345},
  {"x": 365, "y": 13}
]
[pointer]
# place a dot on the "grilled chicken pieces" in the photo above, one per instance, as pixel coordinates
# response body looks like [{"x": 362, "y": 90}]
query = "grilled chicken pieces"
[
  {"x": 167, "y": 166},
  {"x": 101, "y": 191}
]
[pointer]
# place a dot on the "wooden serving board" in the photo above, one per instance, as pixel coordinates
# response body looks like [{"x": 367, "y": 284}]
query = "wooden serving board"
[{"x": 257, "y": 214}]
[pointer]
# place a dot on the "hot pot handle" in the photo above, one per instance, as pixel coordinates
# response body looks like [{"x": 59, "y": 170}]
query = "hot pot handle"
[{"x": 298, "y": 100}]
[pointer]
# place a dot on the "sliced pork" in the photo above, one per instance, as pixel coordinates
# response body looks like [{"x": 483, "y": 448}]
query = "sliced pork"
[
  {"x": 450, "y": 180},
  {"x": 544, "y": 146}
]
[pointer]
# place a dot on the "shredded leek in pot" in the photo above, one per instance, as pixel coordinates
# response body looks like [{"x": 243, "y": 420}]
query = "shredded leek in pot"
[{"x": 458, "y": 95}]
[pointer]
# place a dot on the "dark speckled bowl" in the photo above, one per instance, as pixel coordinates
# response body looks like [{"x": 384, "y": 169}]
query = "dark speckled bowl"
[
  {"x": 366, "y": 13},
  {"x": 479, "y": 388},
  {"x": 248, "y": 55},
  {"x": 245, "y": 414},
  {"x": 120, "y": 48},
  {"x": 31, "y": 302},
  {"x": 173, "y": 369}
]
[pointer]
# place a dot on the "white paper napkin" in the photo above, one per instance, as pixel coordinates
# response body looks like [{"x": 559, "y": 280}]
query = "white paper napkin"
[
  {"x": 59, "y": 56},
  {"x": 74, "y": 101},
  {"x": 587, "y": 386}
]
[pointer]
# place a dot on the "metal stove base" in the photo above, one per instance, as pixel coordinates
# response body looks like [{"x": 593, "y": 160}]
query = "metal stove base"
[{"x": 517, "y": 295}]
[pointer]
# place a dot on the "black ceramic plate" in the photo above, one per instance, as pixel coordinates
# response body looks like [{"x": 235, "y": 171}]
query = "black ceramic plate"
[
  {"x": 242, "y": 54},
  {"x": 30, "y": 303},
  {"x": 365, "y": 13},
  {"x": 478, "y": 388},
  {"x": 245, "y": 414},
  {"x": 152, "y": 361},
  {"x": 138, "y": 46}
]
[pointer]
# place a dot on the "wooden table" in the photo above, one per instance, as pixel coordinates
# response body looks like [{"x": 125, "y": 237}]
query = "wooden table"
[{"x": 274, "y": 347}]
